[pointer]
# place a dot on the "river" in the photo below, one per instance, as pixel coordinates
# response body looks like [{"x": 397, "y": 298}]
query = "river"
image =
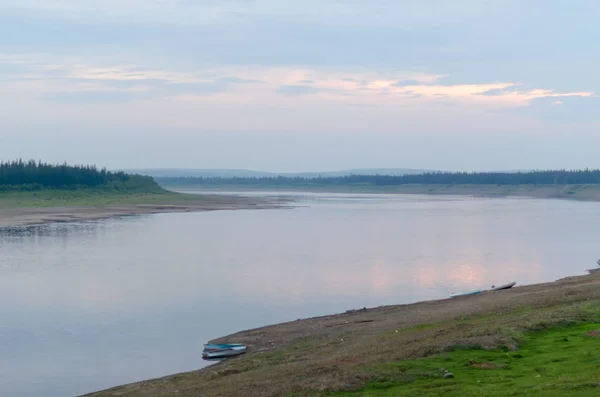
[{"x": 86, "y": 306}]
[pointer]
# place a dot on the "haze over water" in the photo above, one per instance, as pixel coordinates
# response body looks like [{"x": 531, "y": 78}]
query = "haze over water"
[{"x": 86, "y": 306}]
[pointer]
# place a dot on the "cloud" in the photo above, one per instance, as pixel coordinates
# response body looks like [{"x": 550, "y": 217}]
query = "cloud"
[
  {"x": 119, "y": 83},
  {"x": 400, "y": 13},
  {"x": 133, "y": 90},
  {"x": 419, "y": 80},
  {"x": 72, "y": 81},
  {"x": 293, "y": 90},
  {"x": 501, "y": 91},
  {"x": 237, "y": 80},
  {"x": 69, "y": 80},
  {"x": 562, "y": 109},
  {"x": 87, "y": 97},
  {"x": 484, "y": 41},
  {"x": 407, "y": 83}
]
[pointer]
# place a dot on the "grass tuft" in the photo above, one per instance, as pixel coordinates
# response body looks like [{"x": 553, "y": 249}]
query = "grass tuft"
[{"x": 559, "y": 360}]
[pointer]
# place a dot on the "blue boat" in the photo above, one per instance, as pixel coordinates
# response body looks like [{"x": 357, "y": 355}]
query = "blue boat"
[
  {"x": 221, "y": 346},
  {"x": 223, "y": 350}
]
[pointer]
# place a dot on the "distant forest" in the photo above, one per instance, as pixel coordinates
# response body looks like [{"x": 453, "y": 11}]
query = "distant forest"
[
  {"x": 560, "y": 177},
  {"x": 31, "y": 175}
]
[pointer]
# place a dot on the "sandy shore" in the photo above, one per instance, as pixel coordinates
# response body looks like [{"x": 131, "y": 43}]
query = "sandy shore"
[
  {"x": 567, "y": 192},
  {"x": 27, "y": 216},
  {"x": 308, "y": 357}
]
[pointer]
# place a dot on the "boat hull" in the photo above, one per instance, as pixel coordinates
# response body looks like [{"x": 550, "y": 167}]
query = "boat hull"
[
  {"x": 466, "y": 293},
  {"x": 505, "y": 286},
  {"x": 221, "y": 346},
  {"x": 224, "y": 353}
]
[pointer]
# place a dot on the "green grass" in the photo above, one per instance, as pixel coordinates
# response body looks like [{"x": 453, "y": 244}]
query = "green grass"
[
  {"x": 556, "y": 362},
  {"x": 90, "y": 197}
]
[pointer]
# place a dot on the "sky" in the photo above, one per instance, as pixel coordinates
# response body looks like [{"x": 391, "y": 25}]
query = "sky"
[{"x": 312, "y": 85}]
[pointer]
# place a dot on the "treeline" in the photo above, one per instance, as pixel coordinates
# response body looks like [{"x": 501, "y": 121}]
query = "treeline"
[
  {"x": 36, "y": 175},
  {"x": 559, "y": 177}
]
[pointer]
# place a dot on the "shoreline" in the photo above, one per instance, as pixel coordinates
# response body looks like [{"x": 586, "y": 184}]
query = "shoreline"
[
  {"x": 202, "y": 200},
  {"x": 344, "y": 351},
  {"x": 12, "y": 217},
  {"x": 565, "y": 192}
]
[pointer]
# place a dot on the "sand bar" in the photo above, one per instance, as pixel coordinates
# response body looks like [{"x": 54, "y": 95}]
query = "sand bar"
[{"x": 27, "y": 216}]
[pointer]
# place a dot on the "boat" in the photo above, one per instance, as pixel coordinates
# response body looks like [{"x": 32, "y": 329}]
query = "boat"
[
  {"x": 224, "y": 353},
  {"x": 220, "y": 346},
  {"x": 505, "y": 286},
  {"x": 475, "y": 292}
]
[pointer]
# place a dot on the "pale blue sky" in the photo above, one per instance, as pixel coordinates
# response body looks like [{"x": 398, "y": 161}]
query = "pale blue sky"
[{"x": 301, "y": 86}]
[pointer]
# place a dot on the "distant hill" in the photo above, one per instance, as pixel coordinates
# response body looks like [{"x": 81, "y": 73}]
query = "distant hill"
[
  {"x": 185, "y": 172},
  {"x": 363, "y": 171},
  {"x": 550, "y": 177},
  {"x": 230, "y": 173}
]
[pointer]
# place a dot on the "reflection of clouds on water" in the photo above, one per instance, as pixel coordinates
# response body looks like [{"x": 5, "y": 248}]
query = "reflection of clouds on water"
[{"x": 305, "y": 255}]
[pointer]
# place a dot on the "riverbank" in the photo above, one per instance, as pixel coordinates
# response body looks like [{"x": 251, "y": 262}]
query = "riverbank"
[
  {"x": 382, "y": 348},
  {"x": 569, "y": 192},
  {"x": 25, "y": 209}
]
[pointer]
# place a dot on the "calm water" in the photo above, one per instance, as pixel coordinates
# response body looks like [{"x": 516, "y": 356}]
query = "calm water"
[{"x": 86, "y": 306}]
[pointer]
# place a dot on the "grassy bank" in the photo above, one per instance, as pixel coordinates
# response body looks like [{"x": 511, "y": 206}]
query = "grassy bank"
[
  {"x": 91, "y": 197},
  {"x": 18, "y": 208},
  {"x": 561, "y": 360},
  {"x": 529, "y": 341}
]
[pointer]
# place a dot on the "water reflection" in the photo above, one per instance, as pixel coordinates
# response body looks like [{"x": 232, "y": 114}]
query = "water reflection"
[{"x": 90, "y": 305}]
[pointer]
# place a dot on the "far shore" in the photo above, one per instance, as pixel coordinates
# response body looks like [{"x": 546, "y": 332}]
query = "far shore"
[
  {"x": 26, "y": 210},
  {"x": 32, "y": 214},
  {"x": 567, "y": 192}
]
